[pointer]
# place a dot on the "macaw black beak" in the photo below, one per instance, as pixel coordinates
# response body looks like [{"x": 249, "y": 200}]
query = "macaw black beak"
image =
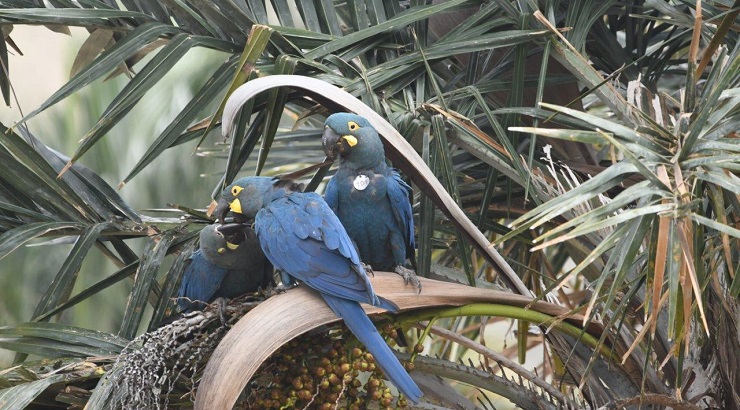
[
  {"x": 234, "y": 234},
  {"x": 230, "y": 228},
  {"x": 332, "y": 143},
  {"x": 222, "y": 208}
]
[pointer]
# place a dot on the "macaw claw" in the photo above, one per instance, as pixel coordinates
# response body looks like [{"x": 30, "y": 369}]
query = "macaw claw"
[
  {"x": 409, "y": 276},
  {"x": 368, "y": 269},
  {"x": 271, "y": 291}
]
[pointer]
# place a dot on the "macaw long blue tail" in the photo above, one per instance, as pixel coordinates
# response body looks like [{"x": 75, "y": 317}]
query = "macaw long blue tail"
[{"x": 361, "y": 326}]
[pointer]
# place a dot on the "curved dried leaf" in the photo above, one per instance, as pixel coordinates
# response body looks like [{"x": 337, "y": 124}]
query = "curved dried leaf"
[
  {"x": 278, "y": 321},
  {"x": 397, "y": 148},
  {"x": 94, "y": 45}
]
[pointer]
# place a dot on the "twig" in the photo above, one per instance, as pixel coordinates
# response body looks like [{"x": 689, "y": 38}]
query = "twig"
[{"x": 502, "y": 361}]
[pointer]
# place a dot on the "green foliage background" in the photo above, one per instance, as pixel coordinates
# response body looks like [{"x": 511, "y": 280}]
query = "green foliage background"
[{"x": 28, "y": 271}]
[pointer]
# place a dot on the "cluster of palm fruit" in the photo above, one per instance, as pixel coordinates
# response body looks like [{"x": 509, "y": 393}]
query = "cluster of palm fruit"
[{"x": 325, "y": 369}]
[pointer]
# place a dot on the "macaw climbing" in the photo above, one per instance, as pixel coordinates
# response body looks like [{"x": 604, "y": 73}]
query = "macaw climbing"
[
  {"x": 228, "y": 263},
  {"x": 303, "y": 237},
  {"x": 369, "y": 197}
]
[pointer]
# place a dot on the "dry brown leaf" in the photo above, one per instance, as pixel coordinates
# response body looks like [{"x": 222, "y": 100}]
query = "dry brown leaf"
[
  {"x": 661, "y": 255},
  {"x": 95, "y": 44}
]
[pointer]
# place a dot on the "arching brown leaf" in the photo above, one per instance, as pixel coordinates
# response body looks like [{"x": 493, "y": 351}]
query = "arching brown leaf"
[
  {"x": 283, "y": 317},
  {"x": 397, "y": 148}
]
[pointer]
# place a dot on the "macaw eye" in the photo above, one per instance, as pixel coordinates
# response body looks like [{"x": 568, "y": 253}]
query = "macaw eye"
[
  {"x": 235, "y": 190},
  {"x": 352, "y": 126}
]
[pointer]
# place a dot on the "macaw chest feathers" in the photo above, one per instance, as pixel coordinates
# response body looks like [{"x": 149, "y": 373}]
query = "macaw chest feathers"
[{"x": 362, "y": 186}]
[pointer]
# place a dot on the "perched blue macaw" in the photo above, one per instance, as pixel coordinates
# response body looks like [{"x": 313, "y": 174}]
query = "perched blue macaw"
[
  {"x": 302, "y": 237},
  {"x": 228, "y": 263},
  {"x": 369, "y": 197}
]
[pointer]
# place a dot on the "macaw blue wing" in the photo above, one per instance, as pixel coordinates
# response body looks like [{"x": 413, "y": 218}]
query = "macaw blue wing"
[
  {"x": 331, "y": 195},
  {"x": 200, "y": 282},
  {"x": 303, "y": 237},
  {"x": 398, "y": 193}
]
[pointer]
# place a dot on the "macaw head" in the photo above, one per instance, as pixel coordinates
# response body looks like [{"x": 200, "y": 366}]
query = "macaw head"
[
  {"x": 352, "y": 138},
  {"x": 222, "y": 244},
  {"x": 246, "y": 196}
]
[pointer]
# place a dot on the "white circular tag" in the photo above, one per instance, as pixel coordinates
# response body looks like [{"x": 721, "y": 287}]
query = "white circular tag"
[{"x": 361, "y": 182}]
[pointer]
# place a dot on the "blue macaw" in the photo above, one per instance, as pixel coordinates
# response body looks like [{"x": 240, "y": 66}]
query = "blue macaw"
[
  {"x": 369, "y": 197},
  {"x": 302, "y": 237},
  {"x": 228, "y": 263}
]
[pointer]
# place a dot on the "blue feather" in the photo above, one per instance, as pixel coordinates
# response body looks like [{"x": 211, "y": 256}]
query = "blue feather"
[
  {"x": 215, "y": 270},
  {"x": 199, "y": 284},
  {"x": 398, "y": 193},
  {"x": 331, "y": 195},
  {"x": 300, "y": 234},
  {"x": 361, "y": 326}
]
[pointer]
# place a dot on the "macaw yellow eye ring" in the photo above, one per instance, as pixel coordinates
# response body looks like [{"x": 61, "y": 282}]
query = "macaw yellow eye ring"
[
  {"x": 235, "y": 190},
  {"x": 353, "y": 126}
]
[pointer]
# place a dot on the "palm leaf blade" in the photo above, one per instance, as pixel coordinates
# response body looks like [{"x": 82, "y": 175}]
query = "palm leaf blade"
[
  {"x": 18, "y": 397},
  {"x": 108, "y": 61}
]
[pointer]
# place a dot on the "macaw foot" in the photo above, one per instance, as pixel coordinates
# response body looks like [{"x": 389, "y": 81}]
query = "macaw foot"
[
  {"x": 368, "y": 269},
  {"x": 271, "y": 291},
  {"x": 409, "y": 276}
]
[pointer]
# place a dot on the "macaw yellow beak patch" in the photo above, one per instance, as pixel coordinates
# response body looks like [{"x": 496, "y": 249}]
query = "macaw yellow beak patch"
[
  {"x": 352, "y": 141},
  {"x": 236, "y": 206},
  {"x": 232, "y": 246}
]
